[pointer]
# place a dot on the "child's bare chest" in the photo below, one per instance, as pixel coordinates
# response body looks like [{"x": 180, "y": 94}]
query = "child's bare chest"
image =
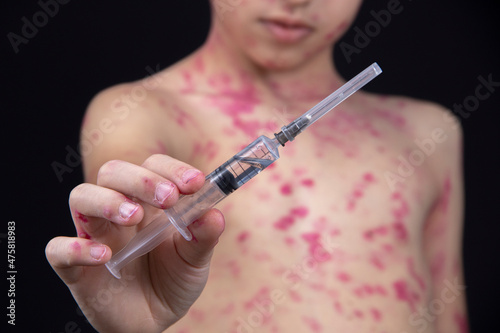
[{"x": 322, "y": 232}]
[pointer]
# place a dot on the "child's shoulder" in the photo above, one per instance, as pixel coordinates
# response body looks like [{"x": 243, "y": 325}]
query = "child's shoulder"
[{"x": 420, "y": 116}]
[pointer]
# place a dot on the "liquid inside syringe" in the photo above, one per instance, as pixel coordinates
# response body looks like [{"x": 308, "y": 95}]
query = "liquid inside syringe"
[{"x": 230, "y": 176}]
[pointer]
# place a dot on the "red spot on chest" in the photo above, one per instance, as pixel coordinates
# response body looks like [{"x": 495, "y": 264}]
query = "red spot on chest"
[
  {"x": 403, "y": 293},
  {"x": 286, "y": 189},
  {"x": 359, "y": 190},
  {"x": 243, "y": 236},
  {"x": 312, "y": 324},
  {"x": 399, "y": 213},
  {"x": 287, "y": 221}
]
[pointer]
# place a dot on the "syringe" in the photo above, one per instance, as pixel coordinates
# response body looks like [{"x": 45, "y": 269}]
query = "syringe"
[{"x": 230, "y": 176}]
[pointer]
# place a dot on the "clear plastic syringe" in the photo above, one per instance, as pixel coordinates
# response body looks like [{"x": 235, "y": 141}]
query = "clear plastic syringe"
[{"x": 230, "y": 176}]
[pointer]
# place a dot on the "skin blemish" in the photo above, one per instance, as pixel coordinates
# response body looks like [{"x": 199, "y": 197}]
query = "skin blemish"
[
  {"x": 404, "y": 294},
  {"x": 338, "y": 307},
  {"x": 300, "y": 211},
  {"x": 243, "y": 236},
  {"x": 284, "y": 223},
  {"x": 399, "y": 213},
  {"x": 80, "y": 217},
  {"x": 83, "y": 234},
  {"x": 358, "y": 313},
  {"x": 76, "y": 248},
  {"x": 289, "y": 241},
  {"x": 189, "y": 86},
  {"x": 315, "y": 247},
  {"x": 344, "y": 277},
  {"x": 295, "y": 296},
  {"x": 391, "y": 117},
  {"x": 261, "y": 294},
  {"x": 196, "y": 315},
  {"x": 376, "y": 314},
  {"x": 377, "y": 262},
  {"x": 358, "y": 191},
  {"x": 307, "y": 182},
  {"x": 312, "y": 324},
  {"x": 234, "y": 268},
  {"x": 461, "y": 322},
  {"x": 286, "y": 189},
  {"x": 287, "y": 221}
]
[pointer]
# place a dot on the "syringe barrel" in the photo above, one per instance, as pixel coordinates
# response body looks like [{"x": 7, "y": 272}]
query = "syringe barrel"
[{"x": 223, "y": 181}]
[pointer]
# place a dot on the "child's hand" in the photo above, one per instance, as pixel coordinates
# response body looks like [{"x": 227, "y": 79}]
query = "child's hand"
[{"x": 156, "y": 289}]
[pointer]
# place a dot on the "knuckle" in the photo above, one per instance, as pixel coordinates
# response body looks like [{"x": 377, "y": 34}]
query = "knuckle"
[
  {"x": 152, "y": 160},
  {"x": 76, "y": 193},
  {"x": 106, "y": 169}
]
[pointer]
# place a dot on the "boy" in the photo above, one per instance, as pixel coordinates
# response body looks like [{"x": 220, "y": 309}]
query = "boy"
[{"x": 356, "y": 228}]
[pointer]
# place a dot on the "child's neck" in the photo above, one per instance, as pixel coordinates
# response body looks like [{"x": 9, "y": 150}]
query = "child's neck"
[{"x": 313, "y": 80}]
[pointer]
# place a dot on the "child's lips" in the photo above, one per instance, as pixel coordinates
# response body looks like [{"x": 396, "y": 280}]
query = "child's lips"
[{"x": 287, "y": 31}]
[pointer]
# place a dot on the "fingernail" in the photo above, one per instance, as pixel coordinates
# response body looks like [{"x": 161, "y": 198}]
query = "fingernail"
[
  {"x": 190, "y": 175},
  {"x": 97, "y": 251},
  {"x": 163, "y": 191},
  {"x": 127, "y": 209}
]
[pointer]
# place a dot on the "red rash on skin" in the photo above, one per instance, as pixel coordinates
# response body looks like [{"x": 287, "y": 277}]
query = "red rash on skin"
[
  {"x": 208, "y": 149},
  {"x": 461, "y": 322},
  {"x": 369, "y": 290},
  {"x": 399, "y": 213},
  {"x": 370, "y": 234},
  {"x": 313, "y": 324},
  {"x": 181, "y": 116},
  {"x": 243, "y": 236},
  {"x": 76, "y": 247},
  {"x": 307, "y": 182},
  {"x": 235, "y": 268},
  {"x": 358, "y": 191},
  {"x": 344, "y": 277},
  {"x": 375, "y": 261},
  {"x": 358, "y": 313},
  {"x": 404, "y": 294},
  {"x": 228, "y": 309},
  {"x": 189, "y": 84},
  {"x": 287, "y": 221},
  {"x": 295, "y": 296},
  {"x": 315, "y": 247},
  {"x": 286, "y": 189},
  {"x": 80, "y": 217},
  {"x": 377, "y": 316},
  {"x": 236, "y": 102},
  {"x": 262, "y": 293},
  {"x": 389, "y": 116},
  {"x": 83, "y": 234},
  {"x": 196, "y": 315},
  {"x": 337, "y": 306}
]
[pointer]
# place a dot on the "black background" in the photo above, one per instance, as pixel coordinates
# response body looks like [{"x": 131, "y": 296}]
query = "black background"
[{"x": 433, "y": 50}]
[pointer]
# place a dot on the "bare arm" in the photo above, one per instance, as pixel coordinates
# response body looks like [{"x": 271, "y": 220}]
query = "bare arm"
[
  {"x": 125, "y": 190},
  {"x": 443, "y": 234}
]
